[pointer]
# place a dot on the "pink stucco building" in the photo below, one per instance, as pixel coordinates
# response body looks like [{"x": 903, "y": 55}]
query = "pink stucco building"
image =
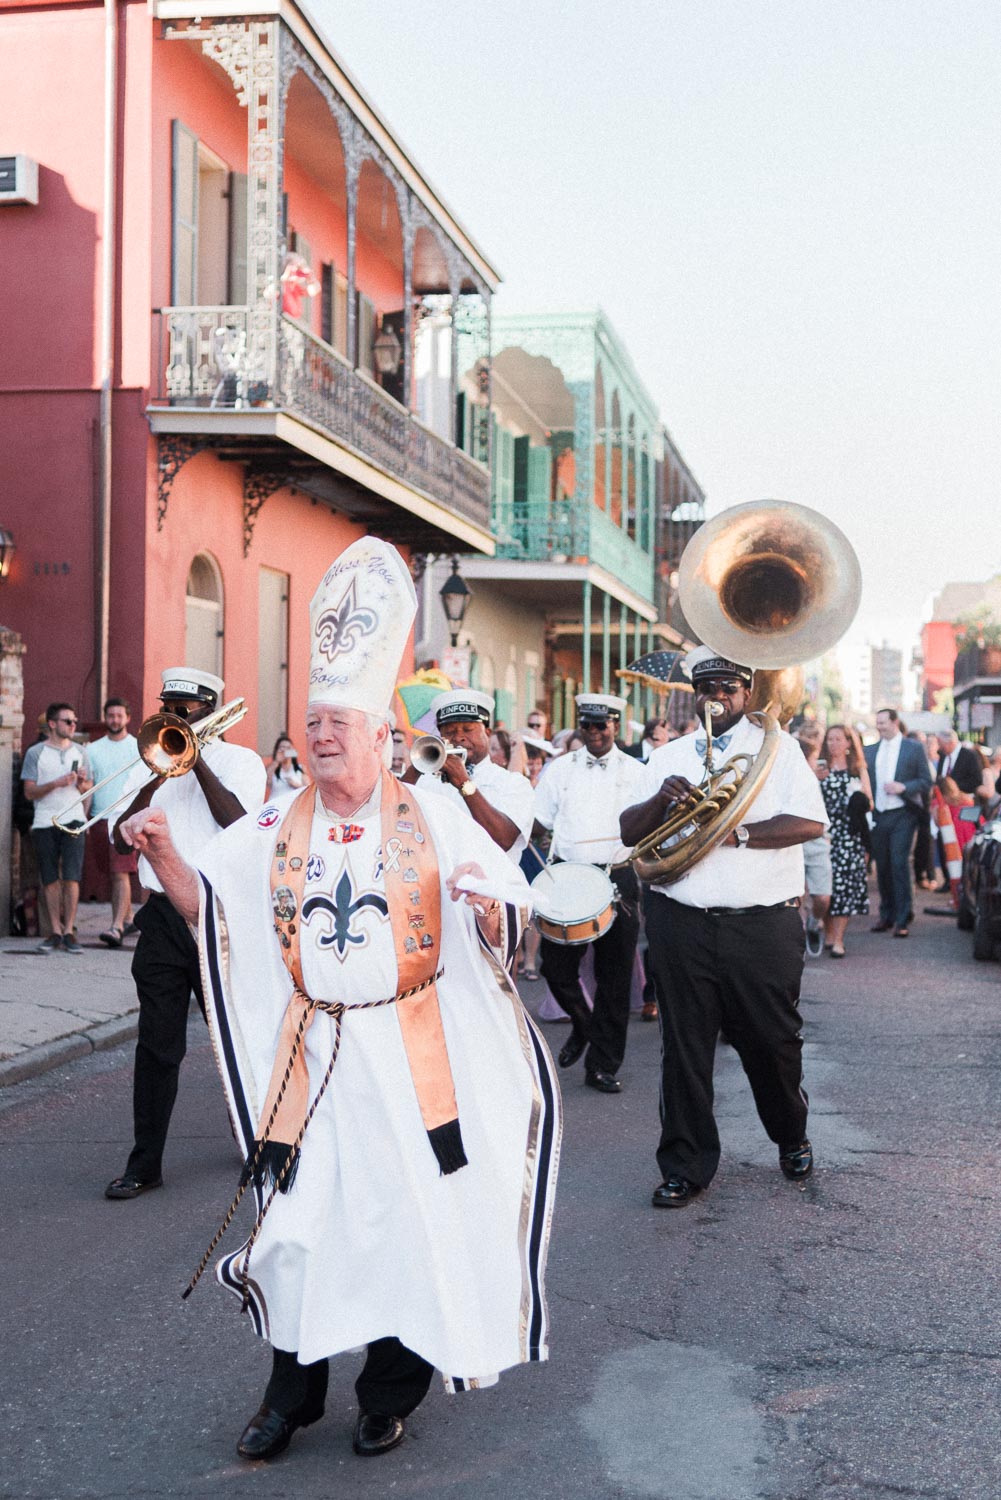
[{"x": 241, "y": 327}]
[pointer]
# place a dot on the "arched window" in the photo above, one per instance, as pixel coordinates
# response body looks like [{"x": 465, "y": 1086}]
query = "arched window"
[
  {"x": 203, "y": 615},
  {"x": 600, "y": 419}
]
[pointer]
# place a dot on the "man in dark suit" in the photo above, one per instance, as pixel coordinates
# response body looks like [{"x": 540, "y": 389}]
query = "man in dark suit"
[
  {"x": 900, "y": 778},
  {"x": 961, "y": 762}
]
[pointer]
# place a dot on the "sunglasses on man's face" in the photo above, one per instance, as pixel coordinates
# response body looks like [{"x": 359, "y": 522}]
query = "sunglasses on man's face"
[
  {"x": 66, "y": 721},
  {"x": 726, "y": 685}
]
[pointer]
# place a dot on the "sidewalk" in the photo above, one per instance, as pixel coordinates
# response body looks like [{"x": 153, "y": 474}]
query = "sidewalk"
[{"x": 57, "y": 1007}]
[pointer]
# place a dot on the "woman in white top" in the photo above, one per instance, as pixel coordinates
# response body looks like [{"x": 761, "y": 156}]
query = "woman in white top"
[{"x": 285, "y": 773}]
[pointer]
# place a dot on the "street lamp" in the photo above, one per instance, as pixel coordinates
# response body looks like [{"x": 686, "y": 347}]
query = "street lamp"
[
  {"x": 455, "y": 595},
  {"x": 387, "y": 350},
  {"x": 7, "y": 550}
]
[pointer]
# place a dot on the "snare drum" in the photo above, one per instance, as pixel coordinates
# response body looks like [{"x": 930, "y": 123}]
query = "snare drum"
[{"x": 574, "y": 903}]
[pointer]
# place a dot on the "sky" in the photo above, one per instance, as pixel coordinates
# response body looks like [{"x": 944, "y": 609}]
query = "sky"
[{"x": 788, "y": 209}]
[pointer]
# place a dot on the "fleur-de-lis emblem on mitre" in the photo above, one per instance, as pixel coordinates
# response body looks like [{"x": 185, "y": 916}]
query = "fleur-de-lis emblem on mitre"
[{"x": 341, "y": 628}]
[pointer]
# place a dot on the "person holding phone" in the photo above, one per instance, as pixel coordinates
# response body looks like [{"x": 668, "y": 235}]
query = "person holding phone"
[
  {"x": 55, "y": 772},
  {"x": 285, "y": 773}
]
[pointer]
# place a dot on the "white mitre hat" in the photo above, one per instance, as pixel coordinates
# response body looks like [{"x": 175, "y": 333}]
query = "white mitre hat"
[{"x": 359, "y": 621}]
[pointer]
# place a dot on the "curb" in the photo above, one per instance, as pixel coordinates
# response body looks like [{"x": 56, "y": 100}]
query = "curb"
[{"x": 67, "y": 1049}]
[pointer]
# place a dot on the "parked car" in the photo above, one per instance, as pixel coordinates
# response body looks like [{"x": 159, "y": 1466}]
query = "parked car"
[{"x": 980, "y": 891}]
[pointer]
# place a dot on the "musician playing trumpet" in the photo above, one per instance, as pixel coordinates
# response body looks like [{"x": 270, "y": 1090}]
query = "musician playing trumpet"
[
  {"x": 500, "y": 801},
  {"x": 726, "y": 940},
  {"x": 225, "y": 782}
]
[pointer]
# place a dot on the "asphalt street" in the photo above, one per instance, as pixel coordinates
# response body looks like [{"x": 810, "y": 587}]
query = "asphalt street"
[{"x": 830, "y": 1341}]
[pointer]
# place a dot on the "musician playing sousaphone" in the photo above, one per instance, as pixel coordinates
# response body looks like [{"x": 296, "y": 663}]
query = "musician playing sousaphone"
[
  {"x": 580, "y": 799},
  {"x": 726, "y": 940}
]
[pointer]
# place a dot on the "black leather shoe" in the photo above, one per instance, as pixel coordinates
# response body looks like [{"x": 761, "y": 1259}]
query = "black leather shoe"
[
  {"x": 268, "y": 1433},
  {"x": 881, "y": 926},
  {"x": 375, "y": 1433},
  {"x": 675, "y": 1192},
  {"x": 130, "y": 1186},
  {"x": 574, "y": 1047},
  {"x": 796, "y": 1161},
  {"x": 605, "y": 1083}
]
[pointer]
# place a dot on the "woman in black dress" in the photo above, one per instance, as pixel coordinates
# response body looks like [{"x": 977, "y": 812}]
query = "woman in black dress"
[{"x": 844, "y": 784}]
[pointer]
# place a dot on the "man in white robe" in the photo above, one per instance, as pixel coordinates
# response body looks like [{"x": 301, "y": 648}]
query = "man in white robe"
[{"x": 369, "y": 1231}]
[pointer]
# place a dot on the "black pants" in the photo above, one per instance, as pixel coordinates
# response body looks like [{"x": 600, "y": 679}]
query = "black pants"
[
  {"x": 740, "y": 973},
  {"x": 605, "y": 1027},
  {"x": 924, "y": 850},
  {"x": 393, "y": 1382},
  {"x": 165, "y": 969},
  {"x": 892, "y": 840}
]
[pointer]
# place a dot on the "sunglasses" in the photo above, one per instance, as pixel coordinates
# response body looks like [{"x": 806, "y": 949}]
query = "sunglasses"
[
  {"x": 66, "y": 721},
  {"x": 727, "y": 685}
]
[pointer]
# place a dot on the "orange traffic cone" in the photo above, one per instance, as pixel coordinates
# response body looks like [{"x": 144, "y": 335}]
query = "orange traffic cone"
[{"x": 950, "y": 844}]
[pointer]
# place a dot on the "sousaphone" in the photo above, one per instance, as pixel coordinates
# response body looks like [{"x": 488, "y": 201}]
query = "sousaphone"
[{"x": 769, "y": 585}]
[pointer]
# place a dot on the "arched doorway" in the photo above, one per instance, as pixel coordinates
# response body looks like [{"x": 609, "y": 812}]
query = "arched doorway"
[{"x": 203, "y": 615}]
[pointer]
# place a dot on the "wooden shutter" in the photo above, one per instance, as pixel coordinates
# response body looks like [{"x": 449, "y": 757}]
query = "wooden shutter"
[
  {"x": 237, "y": 239},
  {"x": 327, "y": 303},
  {"x": 184, "y": 211}
]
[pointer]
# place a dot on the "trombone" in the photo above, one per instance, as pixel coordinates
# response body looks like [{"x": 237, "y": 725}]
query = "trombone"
[{"x": 169, "y": 746}]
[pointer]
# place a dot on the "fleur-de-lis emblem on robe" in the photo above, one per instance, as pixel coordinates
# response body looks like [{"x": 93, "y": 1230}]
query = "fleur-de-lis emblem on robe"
[{"x": 342, "y": 910}]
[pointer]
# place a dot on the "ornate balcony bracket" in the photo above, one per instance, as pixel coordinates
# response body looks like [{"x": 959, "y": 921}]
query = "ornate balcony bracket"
[
  {"x": 173, "y": 452},
  {"x": 258, "y": 486}
]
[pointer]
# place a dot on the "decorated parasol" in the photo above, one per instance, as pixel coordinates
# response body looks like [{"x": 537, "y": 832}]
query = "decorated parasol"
[{"x": 659, "y": 670}]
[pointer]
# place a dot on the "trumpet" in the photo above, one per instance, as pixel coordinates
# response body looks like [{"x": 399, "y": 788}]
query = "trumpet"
[
  {"x": 169, "y": 746},
  {"x": 428, "y": 754}
]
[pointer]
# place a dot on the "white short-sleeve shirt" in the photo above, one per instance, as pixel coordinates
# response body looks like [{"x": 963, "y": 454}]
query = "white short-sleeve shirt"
[
  {"x": 192, "y": 825},
  {"x": 743, "y": 877},
  {"x": 506, "y": 791},
  {"x": 580, "y": 798}
]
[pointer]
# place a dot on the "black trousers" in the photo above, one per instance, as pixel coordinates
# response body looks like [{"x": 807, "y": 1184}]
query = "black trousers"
[
  {"x": 924, "y": 850},
  {"x": 165, "y": 969},
  {"x": 740, "y": 973},
  {"x": 605, "y": 1027},
  {"x": 393, "y": 1381},
  {"x": 892, "y": 841}
]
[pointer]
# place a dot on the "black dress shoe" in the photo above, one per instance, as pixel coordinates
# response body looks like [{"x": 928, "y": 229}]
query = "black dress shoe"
[
  {"x": 573, "y": 1048},
  {"x": 675, "y": 1192},
  {"x": 605, "y": 1083},
  {"x": 375, "y": 1433},
  {"x": 796, "y": 1161},
  {"x": 130, "y": 1186},
  {"x": 881, "y": 926},
  {"x": 268, "y": 1433}
]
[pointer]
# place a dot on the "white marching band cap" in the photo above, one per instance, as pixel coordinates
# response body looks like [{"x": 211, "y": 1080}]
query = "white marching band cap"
[
  {"x": 359, "y": 622},
  {"x": 463, "y": 704},
  {"x": 703, "y": 661},
  {"x": 535, "y": 743},
  {"x": 599, "y": 706},
  {"x": 190, "y": 682}
]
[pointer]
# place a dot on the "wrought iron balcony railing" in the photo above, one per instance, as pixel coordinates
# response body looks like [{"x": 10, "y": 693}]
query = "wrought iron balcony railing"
[
  {"x": 564, "y": 531},
  {"x": 204, "y": 364}
]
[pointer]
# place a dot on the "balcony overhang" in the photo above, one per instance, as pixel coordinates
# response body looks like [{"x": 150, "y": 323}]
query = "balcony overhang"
[
  {"x": 555, "y": 587},
  {"x": 356, "y": 486},
  {"x": 976, "y": 688}
]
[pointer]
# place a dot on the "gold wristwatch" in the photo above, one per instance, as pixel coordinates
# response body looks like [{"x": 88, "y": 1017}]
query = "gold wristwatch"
[{"x": 468, "y": 788}]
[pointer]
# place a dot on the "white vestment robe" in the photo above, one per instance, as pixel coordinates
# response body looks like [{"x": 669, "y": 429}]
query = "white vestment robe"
[{"x": 371, "y": 1240}]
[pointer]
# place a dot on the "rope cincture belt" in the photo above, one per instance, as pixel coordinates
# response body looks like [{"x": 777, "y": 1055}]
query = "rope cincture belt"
[{"x": 334, "y": 1009}]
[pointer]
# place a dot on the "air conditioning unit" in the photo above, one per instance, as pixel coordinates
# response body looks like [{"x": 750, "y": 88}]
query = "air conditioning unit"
[{"x": 18, "y": 179}]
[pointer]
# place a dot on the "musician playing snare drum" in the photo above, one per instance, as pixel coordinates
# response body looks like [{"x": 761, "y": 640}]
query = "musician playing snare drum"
[{"x": 580, "y": 798}]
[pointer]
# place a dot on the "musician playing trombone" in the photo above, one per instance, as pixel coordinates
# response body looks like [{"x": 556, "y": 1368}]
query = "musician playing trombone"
[
  {"x": 225, "y": 782},
  {"x": 726, "y": 940}
]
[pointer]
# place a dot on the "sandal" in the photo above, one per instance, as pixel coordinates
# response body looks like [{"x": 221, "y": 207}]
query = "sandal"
[
  {"x": 529, "y": 974},
  {"x": 112, "y": 938},
  {"x": 837, "y": 952}
]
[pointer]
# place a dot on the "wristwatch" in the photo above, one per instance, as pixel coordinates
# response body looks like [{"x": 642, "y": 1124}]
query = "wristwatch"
[
  {"x": 468, "y": 788},
  {"x": 742, "y": 835}
]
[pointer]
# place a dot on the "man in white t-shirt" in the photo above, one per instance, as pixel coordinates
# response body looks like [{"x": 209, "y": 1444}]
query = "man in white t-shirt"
[
  {"x": 726, "y": 940},
  {"x": 55, "y": 772},
  {"x": 225, "y": 782},
  {"x": 112, "y": 756}
]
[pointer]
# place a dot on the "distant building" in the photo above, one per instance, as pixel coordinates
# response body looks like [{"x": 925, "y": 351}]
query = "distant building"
[{"x": 886, "y": 676}]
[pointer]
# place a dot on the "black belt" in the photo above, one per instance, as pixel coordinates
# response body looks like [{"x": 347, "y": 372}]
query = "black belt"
[{"x": 741, "y": 911}]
